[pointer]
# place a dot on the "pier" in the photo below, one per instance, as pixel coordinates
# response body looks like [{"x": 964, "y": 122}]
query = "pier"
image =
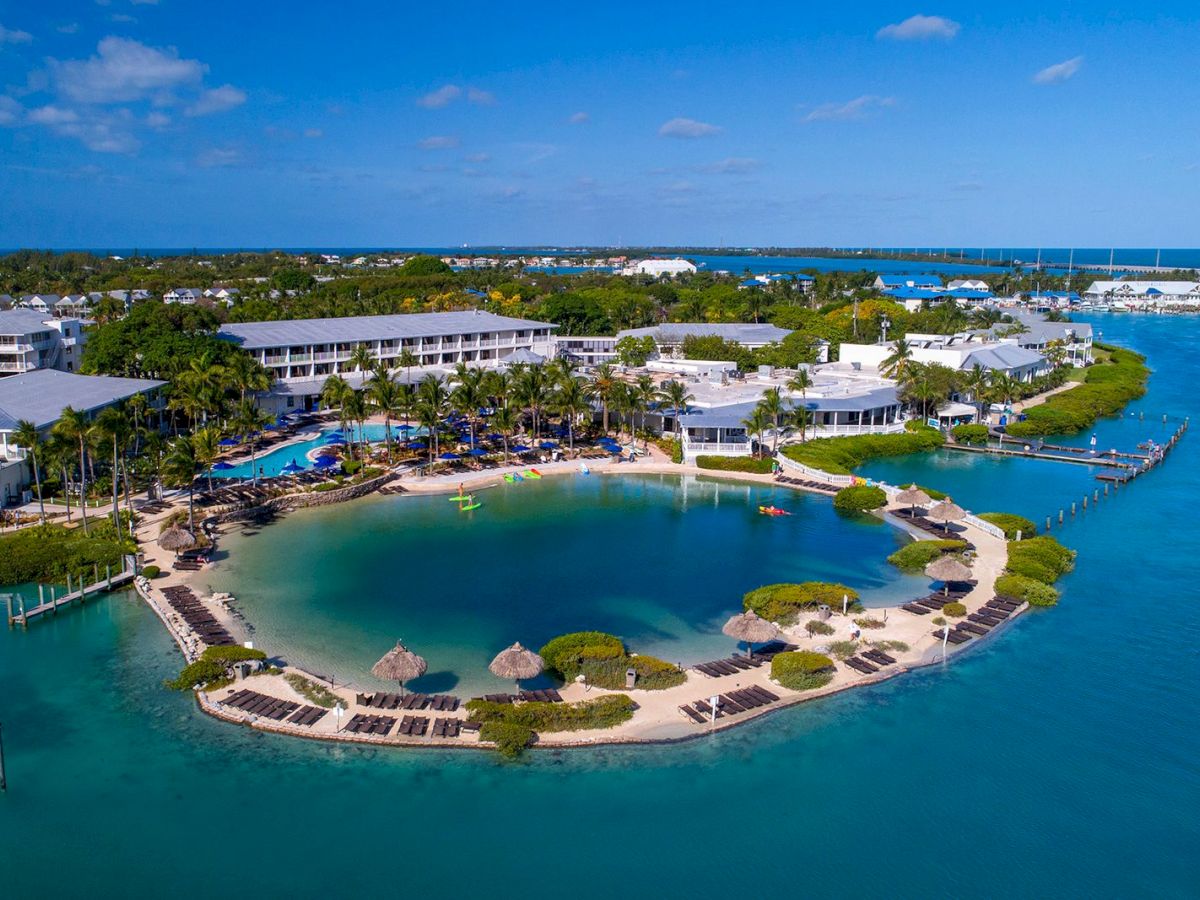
[{"x": 19, "y": 614}]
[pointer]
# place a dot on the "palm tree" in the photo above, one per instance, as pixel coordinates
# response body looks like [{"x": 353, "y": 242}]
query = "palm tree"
[
  {"x": 28, "y": 437},
  {"x": 385, "y": 394},
  {"x": 356, "y": 410},
  {"x": 678, "y": 396},
  {"x": 532, "y": 391},
  {"x": 772, "y": 404},
  {"x": 114, "y": 425},
  {"x": 604, "y": 382},
  {"x": 570, "y": 401},
  {"x": 758, "y": 422},
  {"x": 406, "y": 360},
  {"x": 504, "y": 420},
  {"x": 800, "y": 417},
  {"x": 431, "y": 407},
  {"x": 333, "y": 396},
  {"x": 647, "y": 395},
  {"x": 976, "y": 382},
  {"x": 59, "y": 453},
  {"x": 894, "y": 365},
  {"x": 249, "y": 419},
  {"x": 362, "y": 359},
  {"x": 624, "y": 401},
  {"x": 73, "y": 426},
  {"x": 500, "y": 389},
  {"x": 179, "y": 467},
  {"x": 246, "y": 374},
  {"x": 206, "y": 445},
  {"x": 799, "y": 384},
  {"x": 468, "y": 395}
]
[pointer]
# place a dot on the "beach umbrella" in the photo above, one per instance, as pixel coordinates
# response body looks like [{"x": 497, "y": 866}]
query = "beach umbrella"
[
  {"x": 494, "y": 436},
  {"x": 547, "y": 445},
  {"x": 751, "y": 628},
  {"x": 478, "y": 451},
  {"x": 325, "y": 462},
  {"x": 176, "y": 539},
  {"x": 947, "y": 569},
  {"x": 292, "y": 468},
  {"x": 449, "y": 455},
  {"x": 912, "y": 498},
  {"x": 399, "y": 664},
  {"x": 416, "y": 445},
  {"x": 519, "y": 448},
  {"x": 228, "y": 442},
  {"x": 335, "y": 441},
  {"x": 948, "y": 512},
  {"x": 222, "y": 466},
  {"x": 516, "y": 663}
]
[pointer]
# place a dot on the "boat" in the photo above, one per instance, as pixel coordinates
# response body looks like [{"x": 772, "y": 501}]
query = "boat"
[
  {"x": 533, "y": 473},
  {"x": 773, "y": 511}
]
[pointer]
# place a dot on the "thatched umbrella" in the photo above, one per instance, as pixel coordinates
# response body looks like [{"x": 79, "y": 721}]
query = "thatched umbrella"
[
  {"x": 912, "y": 498},
  {"x": 751, "y": 628},
  {"x": 399, "y": 664},
  {"x": 948, "y": 512},
  {"x": 516, "y": 663},
  {"x": 947, "y": 569},
  {"x": 176, "y": 539}
]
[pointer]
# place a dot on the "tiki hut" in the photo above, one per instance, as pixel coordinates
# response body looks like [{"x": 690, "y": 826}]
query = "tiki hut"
[
  {"x": 913, "y": 497},
  {"x": 751, "y": 628},
  {"x": 516, "y": 663},
  {"x": 176, "y": 539},
  {"x": 399, "y": 664},
  {"x": 947, "y": 569},
  {"x": 948, "y": 512}
]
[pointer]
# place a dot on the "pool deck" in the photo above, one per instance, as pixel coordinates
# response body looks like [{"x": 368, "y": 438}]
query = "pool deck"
[{"x": 657, "y": 718}]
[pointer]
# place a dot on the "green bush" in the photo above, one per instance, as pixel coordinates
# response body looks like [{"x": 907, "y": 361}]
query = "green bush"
[
  {"x": 564, "y": 654},
  {"x": 934, "y": 493},
  {"x": 938, "y": 620},
  {"x": 1010, "y": 524},
  {"x": 816, "y": 626},
  {"x": 868, "y": 623},
  {"x": 782, "y": 603},
  {"x": 652, "y": 674},
  {"x": 1107, "y": 388},
  {"x": 970, "y": 434},
  {"x": 1033, "y": 592},
  {"x": 49, "y": 553},
  {"x": 859, "y": 498},
  {"x": 350, "y": 466},
  {"x": 311, "y": 691},
  {"x": 916, "y": 556},
  {"x": 510, "y": 738},
  {"x": 670, "y": 446},
  {"x": 802, "y": 670},
  {"x": 843, "y": 649},
  {"x": 841, "y": 455},
  {"x": 151, "y": 571},
  {"x": 954, "y": 610},
  {"x": 603, "y": 660},
  {"x": 898, "y": 646},
  {"x": 212, "y": 667},
  {"x": 750, "y": 464},
  {"x": 1043, "y": 559}
]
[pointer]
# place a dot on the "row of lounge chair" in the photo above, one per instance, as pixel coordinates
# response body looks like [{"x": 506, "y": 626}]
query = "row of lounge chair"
[
  {"x": 728, "y": 704},
  {"x": 547, "y": 696},
  {"x": 979, "y": 623},
  {"x": 439, "y": 702},
  {"x": 413, "y": 726},
  {"x": 274, "y": 708},
  {"x": 819, "y": 486},
  {"x": 919, "y": 519},
  {"x": 198, "y": 618},
  {"x": 364, "y": 724},
  {"x": 871, "y": 661},
  {"x": 731, "y": 665}
]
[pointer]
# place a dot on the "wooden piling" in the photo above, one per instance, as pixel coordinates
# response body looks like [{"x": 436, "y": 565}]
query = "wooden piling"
[
  {"x": 1060, "y": 517},
  {"x": 1072, "y": 508},
  {"x": 1085, "y": 501},
  {"x": 3, "y": 776},
  {"x": 1047, "y": 523}
]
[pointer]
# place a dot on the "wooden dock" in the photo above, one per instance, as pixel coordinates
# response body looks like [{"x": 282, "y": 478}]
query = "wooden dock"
[
  {"x": 1083, "y": 458},
  {"x": 19, "y": 614}
]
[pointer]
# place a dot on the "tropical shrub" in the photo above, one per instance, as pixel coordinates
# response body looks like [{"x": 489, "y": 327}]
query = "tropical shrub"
[
  {"x": 1010, "y": 524},
  {"x": 510, "y": 738},
  {"x": 841, "y": 455},
  {"x": 916, "y": 556},
  {"x": 672, "y": 447},
  {"x": 898, "y": 646},
  {"x": 868, "y": 622},
  {"x": 652, "y": 674},
  {"x": 782, "y": 603},
  {"x": 751, "y": 464},
  {"x": 859, "y": 498},
  {"x": 1107, "y": 387},
  {"x": 151, "y": 571},
  {"x": 49, "y": 553},
  {"x": 802, "y": 670},
  {"x": 938, "y": 620},
  {"x": 1043, "y": 559},
  {"x": 564, "y": 654},
  {"x": 843, "y": 649},
  {"x": 311, "y": 691},
  {"x": 212, "y": 667},
  {"x": 1033, "y": 592},
  {"x": 816, "y": 626},
  {"x": 601, "y": 712},
  {"x": 934, "y": 493},
  {"x": 954, "y": 610},
  {"x": 970, "y": 434}
]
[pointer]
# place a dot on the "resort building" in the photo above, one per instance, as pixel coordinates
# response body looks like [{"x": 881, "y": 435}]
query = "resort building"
[
  {"x": 301, "y": 353},
  {"x": 40, "y": 397},
  {"x": 659, "y": 268},
  {"x": 893, "y": 282},
  {"x": 588, "y": 351},
  {"x": 669, "y": 337},
  {"x": 961, "y": 352},
  {"x": 1145, "y": 293},
  {"x": 1039, "y": 336},
  {"x": 184, "y": 296},
  {"x": 32, "y": 340}
]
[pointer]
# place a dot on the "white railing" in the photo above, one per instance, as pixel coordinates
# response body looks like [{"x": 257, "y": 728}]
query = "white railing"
[
  {"x": 739, "y": 447},
  {"x": 815, "y": 474},
  {"x": 837, "y": 430},
  {"x": 986, "y": 527}
]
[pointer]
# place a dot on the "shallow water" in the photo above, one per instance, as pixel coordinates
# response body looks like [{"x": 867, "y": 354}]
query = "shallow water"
[{"x": 1058, "y": 760}]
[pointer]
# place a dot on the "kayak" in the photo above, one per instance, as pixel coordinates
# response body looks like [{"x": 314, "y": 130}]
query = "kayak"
[
  {"x": 509, "y": 478},
  {"x": 471, "y": 506},
  {"x": 773, "y": 511},
  {"x": 458, "y": 498},
  {"x": 534, "y": 473}
]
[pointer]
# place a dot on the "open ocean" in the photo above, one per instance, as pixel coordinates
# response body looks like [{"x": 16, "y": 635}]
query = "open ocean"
[{"x": 1056, "y": 761}]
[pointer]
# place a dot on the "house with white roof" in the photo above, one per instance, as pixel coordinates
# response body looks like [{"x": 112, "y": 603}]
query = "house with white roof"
[
  {"x": 669, "y": 336},
  {"x": 961, "y": 352},
  {"x": 42, "y": 303},
  {"x": 1147, "y": 293},
  {"x": 183, "y": 296},
  {"x": 32, "y": 340},
  {"x": 967, "y": 284},
  {"x": 660, "y": 268},
  {"x": 892, "y": 282}
]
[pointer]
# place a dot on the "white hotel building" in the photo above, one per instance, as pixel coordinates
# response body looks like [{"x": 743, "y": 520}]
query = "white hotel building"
[
  {"x": 302, "y": 353},
  {"x": 32, "y": 340}
]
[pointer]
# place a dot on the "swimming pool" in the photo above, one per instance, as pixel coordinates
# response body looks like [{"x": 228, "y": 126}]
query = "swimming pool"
[{"x": 272, "y": 462}]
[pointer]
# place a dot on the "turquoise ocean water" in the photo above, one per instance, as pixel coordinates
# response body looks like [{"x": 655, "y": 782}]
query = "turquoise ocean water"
[{"x": 1057, "y": 761}]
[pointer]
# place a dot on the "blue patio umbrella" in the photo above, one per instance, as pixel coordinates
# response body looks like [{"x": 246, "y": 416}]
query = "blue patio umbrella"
[
  {"x": 519, "y": 448},
  {"x": 449, "y": 455},
  {"x": 405, "y": 427},
  {"x": 478, "y": 451},
  {"x": 270, "y": 427},
  {"x": 221, "y": 466},
  {"x": 229, "y": 442},
  {"x": 416, "y": 445},
  {"x": 325, "y": 462},
  {"x": 335, "y": 442},
  {"x": 495, "y": 437},
  {"x": 547, "y": 445},
  {"x": 335, "y": 434},
  {"x": 291, "y": 468}
]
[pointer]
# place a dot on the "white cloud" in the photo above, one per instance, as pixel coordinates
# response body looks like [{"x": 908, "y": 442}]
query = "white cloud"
[
  {"x": 920, "y": 28},
  {"x": 481, "y": 97},
  {"x": 578, "y": 118},
  {"x": 53, "y": 115},
  {"x": 688, "y": 128},
  {"x": 313, "y": 133},
  {"x": 1059, "y": 71},
  {"x": 217, "y": 100},
  {"x": 477, "y": 158},
  {"x": 219, "y": 158},
  {"x": 125, "y": 70},
  {"x": 158, "y": 120},
  {"x": 438, "y": 142},
  {"x": 858, "y": 108},
  {"x": 443, "y": 96},
  {"x": 10, "y": 110},
  {"x": 101, "y": 131},
  {"x": 122, "y": 18},
  {"x": 14, "y": 36},
  {"x": 733, "y": 165}
]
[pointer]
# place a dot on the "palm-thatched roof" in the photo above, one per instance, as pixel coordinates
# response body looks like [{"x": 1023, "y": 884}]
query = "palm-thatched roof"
[
  {"x": 913, "y": 496},
  {"x": 752, "y": 628},
  {"x": 176, "y": 539},
  {"x": 948, "y": 511},
  {"x": 516, "y": 663},
  {"x": 399, "y": 664},
  {"x": 947, "y": 568}
]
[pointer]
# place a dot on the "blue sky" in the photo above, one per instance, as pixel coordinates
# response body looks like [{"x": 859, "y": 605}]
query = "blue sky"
[{"x": 187, "y": 124}]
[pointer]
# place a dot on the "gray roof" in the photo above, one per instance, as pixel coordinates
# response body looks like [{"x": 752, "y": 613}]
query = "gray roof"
[
  {"x": 521, "y": 355},
  {"x": 675, "y": 332},
  {"x": 301, "y": 332},
  {"x": 733, "y": 414},
  {"x": 1003, "y": 356},
  {"x": 22, "y": 321},
  {"x": 40, "y": 396}
]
